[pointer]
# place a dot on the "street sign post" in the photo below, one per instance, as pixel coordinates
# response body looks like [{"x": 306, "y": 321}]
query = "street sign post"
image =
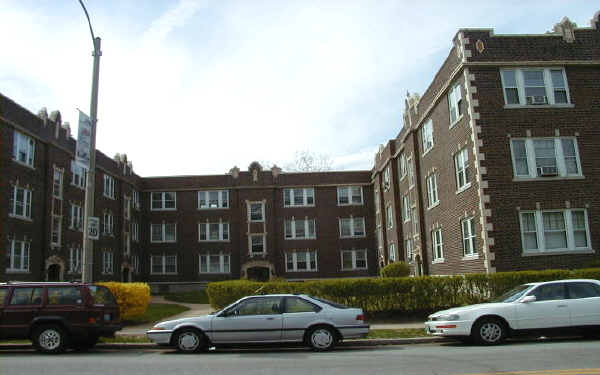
[{"x": 93, "y": 228}]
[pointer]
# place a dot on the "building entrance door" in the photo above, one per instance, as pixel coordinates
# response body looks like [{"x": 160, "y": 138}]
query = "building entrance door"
[
  {"x": 258, "y": 273},
  {"x": 54, "y": 272}
]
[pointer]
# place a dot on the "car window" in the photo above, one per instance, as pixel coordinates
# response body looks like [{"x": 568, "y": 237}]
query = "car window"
[
  {"x": 330, "y": 303},
  {"x": 27, "y": 296},
  {"x": 549, "y": 292},
  {"x": 298, "y": 305},
  {"x": 102, "y": 295},
  {"x": 259, "y": 306},
  {"x": 70, "y": 295},
  {"x": 583, "y": 290},
  {"x": 3, "y": 293}
]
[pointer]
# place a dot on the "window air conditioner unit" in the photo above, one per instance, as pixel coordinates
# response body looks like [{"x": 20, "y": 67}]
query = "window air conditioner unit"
[
  {"x": 536, "y": 100},
  {"x": 547, "y": 171}
]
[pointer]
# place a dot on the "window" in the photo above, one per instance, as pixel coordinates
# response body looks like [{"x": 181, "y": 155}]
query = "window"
[
  {"x": 127, "y": 208},
  {"x": 211, "y": 199},
  {"x": 377, "y": 202},
  {"x": 109, "y": 186},
  {"x": 108, "y": 223},
  {"x": 78, "y": 175},
  {"x": 165, "y": 232},
  {"x": 554, "y": 230},
  {"x": 69, "y": 295},
  {"x": 27, "y": 296},
  {"x": 415, "y": 220},
  {"x": 386, "y": 178},
  {"x": 432, "y": 190},
  {"x": 427, "y": 133},
  {"x": 23, "y": 148},
  {"x": 468, "y": 236},
  {"x": 256, "y": 211},
  {"x": 213, "y": 231},
  {"x": 545, "y": 157},
  {"x": 163, "y": 264},
  {"x": 535, "y": 86},
  {"x": 74, "y": 260},
  {"x": 410, "y": 254},
  {"x": 463, "y": 174},
  {"x": 438, "y": 245},
  {"x": 107, "y": 262},
  {"x": 20, "y": 203},
  {"x": 405, "y": 208},
  {"x": 57, "y": 183},
  {"x": 454, "y": 104},
  {"x": 354, "y": 260},
  {"x": 298, "y": 197},
  {"x": 411, "y": 172},
  {"x": 214, "y": 263},
  {"x": 549, "y": 292},
  {"x": 164, "y": 201},
  {"x": 135, "y": 231},
  {"x": 135, "y": 263},
  {"x": 583, "y": 290},
  {"x": 136, "y": 199},
  {"x": 76, "y": 217},
  {"x": 299, "y": 305},
  {"x": 56, "y": 230},
  {"x": 18, "y": 257},
  {"x": 352, "y": 227},
  {"x": 257, "y": 244},
  {"x": 259, "y": 306},
  {"x": 402, "y": 166},
  {"x": 392, "y": 256},
  {"x": 300, "y": 229},
  {"x": 301, "y": 261},
  {"x": 349, "y": 195},
  {"x": 390, "y": 217}
]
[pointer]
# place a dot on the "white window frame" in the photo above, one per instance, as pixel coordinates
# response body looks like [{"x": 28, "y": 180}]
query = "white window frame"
[
  {"x": 107, "y": 262},
  {"x": 223, "y": 235},
  {"x": 427, "y": 136},
  {"x": 57, "y": 183},
  {"x": 135, "y": 263},
  {"x": 354, "y": 259},
  {"x": 468, "y": 237},
  {"x": 533, "y": 172},
  {"x": 390, "y": 216},
  {"x": 437, "y": 245},
  {"x": 224, "y": 266},
  {"x": 352, "y": 227},
  {"x": 135, "y": 231},
  {"x": 76, "y": 217},
  {"x": 75, "y": 256},
  {"x": 163, "y": 264},
  {"x": 222, "y": 199},
  {"x": 163, "y": 201},
  {"x": 461, "y": 165},
  {"x": 135, "y": 196},
  {"x": 109, "y": 186},
  {"x": 24, "y": 256},
  {"x": 56, "y": 230},
  {"x": 292, "y": 257},
  {"x": 386, "y": 178},
  {"x": 262, "y": 208},
  {"x": 23, "y": 145},
  {"x": 392, "y": 255},
  {"x": 411, "y": 172},
  {"x": 306, "y": 194},
  {"x": 78, "y": 175},
  {"x": 402, "y": 168},
  {"x": 406, "y": 208},
  {"x": 24, "y": 204},
  {"x": 348, "y": 193},
  {"x": 454, "y": 102},
  {"x": 264, "y": 244},
  {"x": 433, "y": 198},
  {"x": 108, "y": 224},
  {"x": 295, "y": 223},
  {"x": 410, "y": 251},
  {"x": 163, "y": 238},
  {"x": 569, "y": 231},
  {"x": 548, "y": 85}
]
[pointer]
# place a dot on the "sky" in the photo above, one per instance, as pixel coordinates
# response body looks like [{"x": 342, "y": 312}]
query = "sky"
[{"x": 193, "y": 87}]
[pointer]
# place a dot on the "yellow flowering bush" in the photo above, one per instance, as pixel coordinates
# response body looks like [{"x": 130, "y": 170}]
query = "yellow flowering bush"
[{"x": 133, "y": 298}]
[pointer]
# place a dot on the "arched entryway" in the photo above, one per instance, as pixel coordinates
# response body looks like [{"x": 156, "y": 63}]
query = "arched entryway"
[
  {"x": 258, "y": 270},
  {"x": 54, "y": 272},
  {"x": 55, "y": 268},
  {"x": 125, "y": 275}
]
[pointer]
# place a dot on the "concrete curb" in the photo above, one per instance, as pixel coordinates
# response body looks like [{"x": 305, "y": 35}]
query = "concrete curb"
[{"x": 358, "y": 342}]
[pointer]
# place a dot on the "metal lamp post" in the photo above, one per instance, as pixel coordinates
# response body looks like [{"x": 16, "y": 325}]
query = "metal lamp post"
[{"x": 88, "y": 244}]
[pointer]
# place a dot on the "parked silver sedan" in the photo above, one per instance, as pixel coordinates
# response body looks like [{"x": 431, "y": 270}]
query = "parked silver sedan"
[{"x": 265, "y": 319}]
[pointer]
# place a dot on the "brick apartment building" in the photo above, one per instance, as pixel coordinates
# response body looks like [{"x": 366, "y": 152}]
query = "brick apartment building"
[
  {"x": 494, "y": 170},
  {"x": 496, "y": 167}
]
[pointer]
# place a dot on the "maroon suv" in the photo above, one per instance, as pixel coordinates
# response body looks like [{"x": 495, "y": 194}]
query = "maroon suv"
[{"x": 55, "y": 316}]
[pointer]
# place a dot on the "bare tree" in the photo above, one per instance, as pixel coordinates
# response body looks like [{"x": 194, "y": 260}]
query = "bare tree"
[{"x": 306, "y": 161}]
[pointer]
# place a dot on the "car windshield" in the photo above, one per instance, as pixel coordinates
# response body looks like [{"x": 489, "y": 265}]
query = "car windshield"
[
  {"x": 330, "y": 303},
  {"x": 102, "y": 295},
  {"x": 513, "y": 294}
]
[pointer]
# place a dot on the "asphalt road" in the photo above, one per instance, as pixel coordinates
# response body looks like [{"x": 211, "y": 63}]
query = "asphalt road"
[{"x": 553, "y": 357}]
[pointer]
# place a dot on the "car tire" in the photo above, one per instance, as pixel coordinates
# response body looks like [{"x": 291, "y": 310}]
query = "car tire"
[
  {"x": 489, "y": 331},
  {"x": 190, "y": 340},
  {"x": 321, "y": 338},
  {"x": 50, "y": 339}
]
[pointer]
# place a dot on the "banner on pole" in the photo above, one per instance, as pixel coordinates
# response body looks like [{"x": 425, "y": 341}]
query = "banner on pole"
[
  {"x": 93, "y": 228},
  {"x": 84, "y": 141}
]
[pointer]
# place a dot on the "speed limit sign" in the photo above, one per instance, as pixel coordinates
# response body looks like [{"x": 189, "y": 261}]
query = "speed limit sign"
[{"x": 93, "y": 228}]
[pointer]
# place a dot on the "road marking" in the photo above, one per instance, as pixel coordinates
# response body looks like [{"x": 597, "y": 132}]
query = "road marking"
[{"x": 586, "y": 371}]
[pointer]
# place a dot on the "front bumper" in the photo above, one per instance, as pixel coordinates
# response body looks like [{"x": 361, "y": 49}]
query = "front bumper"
[
  {"x": 448, "y": 328},
  {"x": 161, "y": 337}
]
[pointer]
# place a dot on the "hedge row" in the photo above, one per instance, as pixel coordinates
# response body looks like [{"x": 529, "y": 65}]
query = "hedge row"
[
  {"x": 403, "y": 294},
  {"x": 133, "y": 298}
]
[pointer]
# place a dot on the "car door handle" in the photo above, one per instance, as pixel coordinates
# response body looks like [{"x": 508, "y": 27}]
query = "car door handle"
[
  {"x": 561, "y": 306},
  {"x": 270, "y": 318}
]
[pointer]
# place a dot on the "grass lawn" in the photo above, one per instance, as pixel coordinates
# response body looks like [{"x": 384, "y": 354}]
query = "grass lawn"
[
  {"x": 188, "y": 297},
  {"x": 155, "y": 313}
]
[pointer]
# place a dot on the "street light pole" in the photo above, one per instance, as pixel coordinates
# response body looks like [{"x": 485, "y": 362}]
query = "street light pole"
[{"x": 88, "y": 244}]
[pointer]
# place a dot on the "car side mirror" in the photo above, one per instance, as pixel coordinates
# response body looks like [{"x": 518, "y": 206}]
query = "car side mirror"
[{"x": 528, "y": 299}]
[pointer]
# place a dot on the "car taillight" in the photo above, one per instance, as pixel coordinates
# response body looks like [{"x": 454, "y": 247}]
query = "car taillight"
[
  {"x": 92, "y": 320},
  {"x": 360, "y": 317}
]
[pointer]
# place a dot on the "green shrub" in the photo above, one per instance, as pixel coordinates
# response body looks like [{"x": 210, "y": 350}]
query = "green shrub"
[
  {"x": 396, "y": 269},
  {"x": 133, "y": 298}
]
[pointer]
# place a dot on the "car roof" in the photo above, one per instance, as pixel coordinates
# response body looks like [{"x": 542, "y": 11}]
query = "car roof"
[
  {"x": 41, "y": 283},
  {"x": 564, "y": 281}
]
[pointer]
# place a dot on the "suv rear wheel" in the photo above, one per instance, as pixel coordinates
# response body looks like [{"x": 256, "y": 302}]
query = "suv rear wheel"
[{"x": 50, "y": 338}]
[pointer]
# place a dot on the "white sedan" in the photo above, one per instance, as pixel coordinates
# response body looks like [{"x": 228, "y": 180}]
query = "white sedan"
[
  {"x": 547, "y": 307},
  {"x": 265, "y": 319}
]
